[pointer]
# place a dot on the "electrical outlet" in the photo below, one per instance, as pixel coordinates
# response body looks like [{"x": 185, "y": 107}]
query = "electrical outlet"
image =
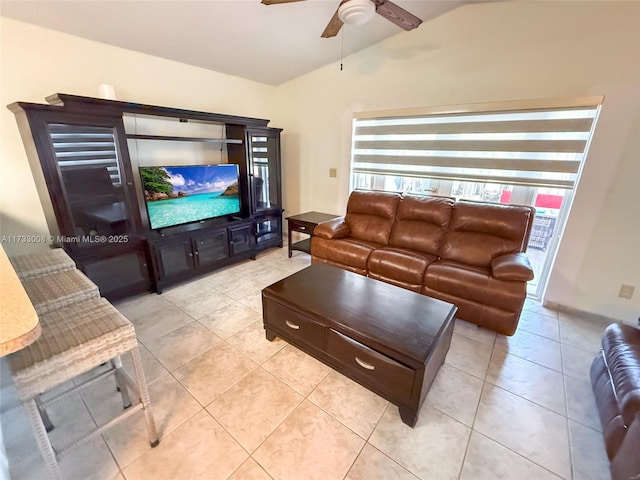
[
  {"x": 333, "y": 172},
  {"x": 626, "y": 291}
]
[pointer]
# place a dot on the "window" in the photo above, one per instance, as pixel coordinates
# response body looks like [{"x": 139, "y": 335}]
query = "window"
[{"x": 526, "y": 152}]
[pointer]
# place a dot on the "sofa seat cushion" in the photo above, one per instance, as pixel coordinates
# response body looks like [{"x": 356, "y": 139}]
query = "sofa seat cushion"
[
  {"x": 621, "y": 350},
  {"x": 475, "y": 284},
  {"x": 486, "y": 316},
  {"x": 400, "y": 267},
  {"x": 344, "y": 251}
]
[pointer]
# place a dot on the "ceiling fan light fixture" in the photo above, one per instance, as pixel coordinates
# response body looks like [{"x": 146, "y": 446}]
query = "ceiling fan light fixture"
[{"x": 356, "y": 12}]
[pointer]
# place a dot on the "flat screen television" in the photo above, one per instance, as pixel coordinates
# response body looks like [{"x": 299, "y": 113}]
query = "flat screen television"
[{"x": 175, "y": 195}]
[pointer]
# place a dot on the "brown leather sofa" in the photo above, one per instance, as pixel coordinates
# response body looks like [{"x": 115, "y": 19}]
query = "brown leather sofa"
[
  {"x": 470, "y": 254},
  {"x": 615, "y": 378}
]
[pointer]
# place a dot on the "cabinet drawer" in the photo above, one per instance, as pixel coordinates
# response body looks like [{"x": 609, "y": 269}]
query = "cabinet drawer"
[
  {"x": 302, "y": 226},
  {"x": 381, "y": 371},
  {"x": 293, "y": 325}
]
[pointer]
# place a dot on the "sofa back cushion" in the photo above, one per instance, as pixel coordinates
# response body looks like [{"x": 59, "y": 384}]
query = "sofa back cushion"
[
  {"x": 479, "y": 232},
  {"x": 421, "y": 222},
  {"x": 370, "y": 215}
]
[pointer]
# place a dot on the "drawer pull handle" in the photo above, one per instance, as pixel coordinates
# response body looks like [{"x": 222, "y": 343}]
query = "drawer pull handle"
[
  {"x": 365, "y": 365},
  {"x": 292, "y": 325}
]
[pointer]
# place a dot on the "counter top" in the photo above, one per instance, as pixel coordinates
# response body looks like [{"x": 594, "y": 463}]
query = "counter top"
[{"x": 19, "y": 325}]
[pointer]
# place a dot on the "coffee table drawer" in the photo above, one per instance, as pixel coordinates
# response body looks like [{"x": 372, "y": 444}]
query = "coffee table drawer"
[
  {"x": 382, "y": 371},
  {"x": 293, "y": 324}
]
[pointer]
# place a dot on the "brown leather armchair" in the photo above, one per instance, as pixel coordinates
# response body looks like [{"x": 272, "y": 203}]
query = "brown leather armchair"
[{"x": 615, "y": 378}]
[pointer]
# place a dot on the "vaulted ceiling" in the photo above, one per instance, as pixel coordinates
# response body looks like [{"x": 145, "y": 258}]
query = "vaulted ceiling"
[{"x": 268, "y": 44}]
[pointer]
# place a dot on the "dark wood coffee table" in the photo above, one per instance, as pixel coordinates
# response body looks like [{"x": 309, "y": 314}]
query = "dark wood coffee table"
[{"x": 386, "y": 338}]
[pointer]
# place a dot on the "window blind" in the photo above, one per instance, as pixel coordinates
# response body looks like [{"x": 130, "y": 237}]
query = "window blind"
[
  {"x": 541, "y": 146},
  {"x": 78, "y": 146}
]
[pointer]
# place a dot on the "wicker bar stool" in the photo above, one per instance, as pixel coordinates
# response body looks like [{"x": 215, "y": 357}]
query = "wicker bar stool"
[
  {"x": 74, "y": 340},
  {"x": 42, "y": 263},
  {"x": 59, "y": 289}
]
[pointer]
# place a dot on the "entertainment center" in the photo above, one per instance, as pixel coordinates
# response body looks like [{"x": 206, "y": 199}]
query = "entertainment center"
[{"x": 144, "y": 196}]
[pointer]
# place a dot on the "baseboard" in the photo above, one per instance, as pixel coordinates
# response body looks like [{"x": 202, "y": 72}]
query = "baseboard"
[{"x": 593, "y": 317}]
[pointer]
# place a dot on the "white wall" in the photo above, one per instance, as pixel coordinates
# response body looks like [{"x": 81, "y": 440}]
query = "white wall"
[
  {"x": 36, "y": 62},
  {"x": 484, "y": 53}
]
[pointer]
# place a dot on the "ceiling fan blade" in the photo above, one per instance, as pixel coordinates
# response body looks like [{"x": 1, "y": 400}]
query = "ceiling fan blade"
[
  {"x": 276, "y": 2},
  {"x": 333, "y": 27},
  {"x": 397, "y": 15}
]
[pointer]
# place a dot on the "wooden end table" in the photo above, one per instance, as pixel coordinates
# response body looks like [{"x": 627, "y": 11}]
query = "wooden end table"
[{"x": 305, "y": 223}]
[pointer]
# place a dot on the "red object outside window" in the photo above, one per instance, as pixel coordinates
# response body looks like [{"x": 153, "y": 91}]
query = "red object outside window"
[
  {"x": 548, "y": 201},
  {"x": 505, "y": 197}
]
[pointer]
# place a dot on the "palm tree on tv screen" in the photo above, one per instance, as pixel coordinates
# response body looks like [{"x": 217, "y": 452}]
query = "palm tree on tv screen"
[{"x": 156, "y": 180}]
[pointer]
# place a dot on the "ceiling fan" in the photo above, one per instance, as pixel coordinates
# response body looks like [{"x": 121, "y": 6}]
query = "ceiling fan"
[{"x": 357, "y": 12}]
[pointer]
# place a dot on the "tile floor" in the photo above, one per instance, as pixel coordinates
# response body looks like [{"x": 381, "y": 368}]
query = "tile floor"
[{"x": 230, "y": 405}]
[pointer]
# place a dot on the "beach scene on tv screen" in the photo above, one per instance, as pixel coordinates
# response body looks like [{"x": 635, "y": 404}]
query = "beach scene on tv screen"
[{"x": 177, "y": 195}]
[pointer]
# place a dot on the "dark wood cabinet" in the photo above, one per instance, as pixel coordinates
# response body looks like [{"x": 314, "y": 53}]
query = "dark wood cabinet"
[
  {"x": 93, "y": 201},
  {"x": 85, "y": 183},
  {"x": 117, "y": 271},
  {"x": 182, "y": 256}
]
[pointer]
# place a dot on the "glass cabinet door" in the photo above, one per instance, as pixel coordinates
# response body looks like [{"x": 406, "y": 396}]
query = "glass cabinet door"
[
  {"x": 175, "y": 258},
  {"x": 264, "y": 145},
  {"x": 91, "y": 178},
  {"x": 241, "y": 239},
  {"x": 211, "y": 247}
]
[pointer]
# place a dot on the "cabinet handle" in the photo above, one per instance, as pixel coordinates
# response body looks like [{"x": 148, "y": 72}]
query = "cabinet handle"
[
  {"x": 364, "y": 364},
  {"x": 197, "y": 253},
  {"x": 191, "y": 254},
  {"x": 292, "y": 325}
]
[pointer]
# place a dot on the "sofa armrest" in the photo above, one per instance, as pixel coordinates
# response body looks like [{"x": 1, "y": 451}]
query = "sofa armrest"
[
  {"x": 512, "y": 266},
  {"x": 335, "y": 228},
  {"x": 626, "y": 464}
]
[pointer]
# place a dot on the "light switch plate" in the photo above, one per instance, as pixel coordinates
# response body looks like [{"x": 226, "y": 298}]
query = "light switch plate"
[{"x": 626, "y": 291}]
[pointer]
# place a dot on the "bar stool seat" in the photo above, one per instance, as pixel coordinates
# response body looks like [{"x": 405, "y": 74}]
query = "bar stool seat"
[
  {"x": 59, "y": 289},
  {"x": 42, "y": 263},
  {"x": 74, "y": 340}
]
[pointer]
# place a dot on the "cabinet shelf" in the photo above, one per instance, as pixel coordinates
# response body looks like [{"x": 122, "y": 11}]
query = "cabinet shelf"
[
  {"x": 185, "y": 139},
  {"x": 302, "y": 246},
  {"x": 270, "y": 231}
]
